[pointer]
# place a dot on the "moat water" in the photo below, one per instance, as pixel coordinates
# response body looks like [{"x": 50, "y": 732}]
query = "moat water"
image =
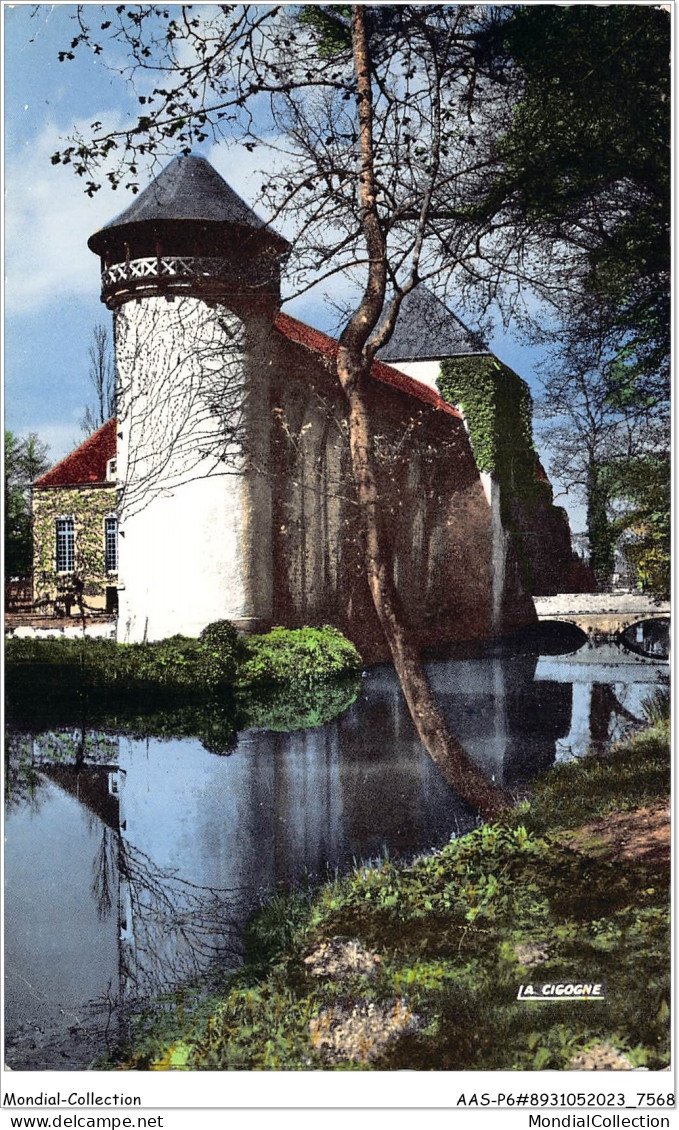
[{"x": 134, "y": 859}]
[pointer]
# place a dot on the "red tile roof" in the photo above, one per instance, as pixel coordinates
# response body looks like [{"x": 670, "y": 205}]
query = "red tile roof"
[
  {"x": 320, "y": 343},
  {"x": 87, "y": 464}
]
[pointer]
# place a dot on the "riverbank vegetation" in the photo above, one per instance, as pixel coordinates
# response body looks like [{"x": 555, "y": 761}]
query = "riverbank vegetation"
[
  {"x": 220, "y": 659},
  {"x": 418, "y": 966}
]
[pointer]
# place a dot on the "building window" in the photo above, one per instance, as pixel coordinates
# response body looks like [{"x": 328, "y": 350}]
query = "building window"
[
  {"x": 111, "y": 544},
  {"x": 111, "y": 468},
  {"x": 65, "y": 532}
]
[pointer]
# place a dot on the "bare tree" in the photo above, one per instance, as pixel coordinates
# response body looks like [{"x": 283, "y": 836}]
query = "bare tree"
[
  {"x": 590, "y": 426},
  {"x": 101, "y": 376},
  {"x": 380, "y": 126}
]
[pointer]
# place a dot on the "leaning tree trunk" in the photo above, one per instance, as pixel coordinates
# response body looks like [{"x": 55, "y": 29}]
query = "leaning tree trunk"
[
  {"x": 354, "y": 363},
  {"x": 433, "y": 731}
]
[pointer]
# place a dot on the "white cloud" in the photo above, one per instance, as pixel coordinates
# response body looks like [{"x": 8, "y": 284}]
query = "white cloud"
[{"x": 48, "y": 219}]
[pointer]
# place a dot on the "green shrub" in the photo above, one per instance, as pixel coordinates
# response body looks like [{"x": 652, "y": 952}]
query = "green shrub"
[
  {"x": 219, "y": 659},
  {"x": 176, "y": 662},
  {"x": 222, "y": 637},
  {"x": 61, "y": 652},
  {"x": 298, "y": 655}
]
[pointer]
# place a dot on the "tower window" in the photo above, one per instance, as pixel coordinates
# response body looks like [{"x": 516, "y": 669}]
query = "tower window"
[
  {"x": 111, "y": 544},
  {"x": 65, "y": 545},
  {"x": 111, "y": 467}
]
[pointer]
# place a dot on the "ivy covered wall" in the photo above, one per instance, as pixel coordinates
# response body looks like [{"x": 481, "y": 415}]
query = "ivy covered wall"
[
  {"x": 88, "y": 507},
  {"x": 498, "y": 410}
]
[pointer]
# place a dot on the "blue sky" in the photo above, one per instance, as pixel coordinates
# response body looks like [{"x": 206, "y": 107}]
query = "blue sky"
[{"x": 52, "y": 279}]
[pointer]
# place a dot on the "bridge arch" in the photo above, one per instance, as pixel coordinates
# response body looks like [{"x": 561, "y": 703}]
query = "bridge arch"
[{"x": 601, "y": 614}]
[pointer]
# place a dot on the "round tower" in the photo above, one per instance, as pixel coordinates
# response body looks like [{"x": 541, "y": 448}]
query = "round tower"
[{"x": 192, "y": 276}]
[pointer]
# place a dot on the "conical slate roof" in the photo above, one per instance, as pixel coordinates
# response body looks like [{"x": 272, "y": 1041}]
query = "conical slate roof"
[
  {"x": 187, "y": 189},
  {"x": 426, "y": 330}
]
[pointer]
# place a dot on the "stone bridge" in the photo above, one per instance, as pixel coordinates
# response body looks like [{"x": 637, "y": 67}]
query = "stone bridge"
[{"x": 601, "y": 613}]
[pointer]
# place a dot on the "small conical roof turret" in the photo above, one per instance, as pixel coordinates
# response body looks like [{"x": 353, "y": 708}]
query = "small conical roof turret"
[
  {"x": 187, "y": 231},
  {"x": 426, "y": 330},
  {"x": 188, "y": 189}
]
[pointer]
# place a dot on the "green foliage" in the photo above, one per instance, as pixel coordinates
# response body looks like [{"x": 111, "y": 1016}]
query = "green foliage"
[
  {"x": 25, "y": 460},
  {"x": 645, "y": 483},
  {"x": 67, "y": 669},
  {"x": 631, "y": 776},
  {"x": 297, "y": 655},
  {"x": 498, "y": 410},
  {"x": 272, "y": 930},
  {"x": 656, "y": 707},
  {"x": 23, "y": 782},
  {"x": 601, "y": 531},
  {"x": 222, "y": 643},
  {"x": 331, "y": 24},
  {"x": 215, "y": 717},
  {"x": 223, "y": 637},
  {"x": 168, "y": 665},
  {"x": 178, "y": 663},
  {"x": 592, "y": 131},
  {"x": 255, "y": 1028}
]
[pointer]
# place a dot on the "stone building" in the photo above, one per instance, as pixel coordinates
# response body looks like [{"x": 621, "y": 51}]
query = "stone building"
[
  {"x": 233, "y": 493},
  {"x": 75, "y": 529}
]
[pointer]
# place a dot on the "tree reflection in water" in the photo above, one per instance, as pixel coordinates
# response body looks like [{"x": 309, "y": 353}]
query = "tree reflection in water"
[
  {"x": 171, "y": 930},
  {"x": 105, "y": 874},
  {"x": 186, "y": 841},
  {"x": 605, "y": 712}
]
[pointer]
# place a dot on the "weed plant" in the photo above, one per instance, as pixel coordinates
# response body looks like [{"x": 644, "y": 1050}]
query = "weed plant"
[{"x": 656, "y": 706}]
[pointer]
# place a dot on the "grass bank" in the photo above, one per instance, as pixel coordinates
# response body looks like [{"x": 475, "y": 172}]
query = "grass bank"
[{"x": 418, "y": 966}]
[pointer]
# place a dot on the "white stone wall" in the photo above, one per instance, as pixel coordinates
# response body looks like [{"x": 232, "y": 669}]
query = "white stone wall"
[
  {"x": 424, "y": 371},
  {"x": 181, "y": 442},
  {"x": 499, "y": 539}
]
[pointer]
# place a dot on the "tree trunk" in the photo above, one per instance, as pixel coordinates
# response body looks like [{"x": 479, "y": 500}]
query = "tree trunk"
[
  {"x": 601, "y": 536},
  {"x": 454, "y": 763},
  {"x": 354, "y": 363}
]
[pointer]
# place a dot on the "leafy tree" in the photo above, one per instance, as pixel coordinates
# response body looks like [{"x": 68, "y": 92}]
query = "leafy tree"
[
  {"x": 594, "y": 432},
  {"x": 101, "y": 376},
  {"x": 586, "y": 165},
  {"x": 25, "y": 460}
]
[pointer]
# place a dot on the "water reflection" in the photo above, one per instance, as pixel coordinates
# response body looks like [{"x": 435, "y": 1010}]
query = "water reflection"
[
  {"x": 133, "y": 861},
  {"x": 608, "y": 686},
  {"x": 649, "y": 637}
]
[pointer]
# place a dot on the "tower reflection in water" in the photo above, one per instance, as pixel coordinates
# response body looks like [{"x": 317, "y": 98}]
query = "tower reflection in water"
[{"x": 189, "y": 843}]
